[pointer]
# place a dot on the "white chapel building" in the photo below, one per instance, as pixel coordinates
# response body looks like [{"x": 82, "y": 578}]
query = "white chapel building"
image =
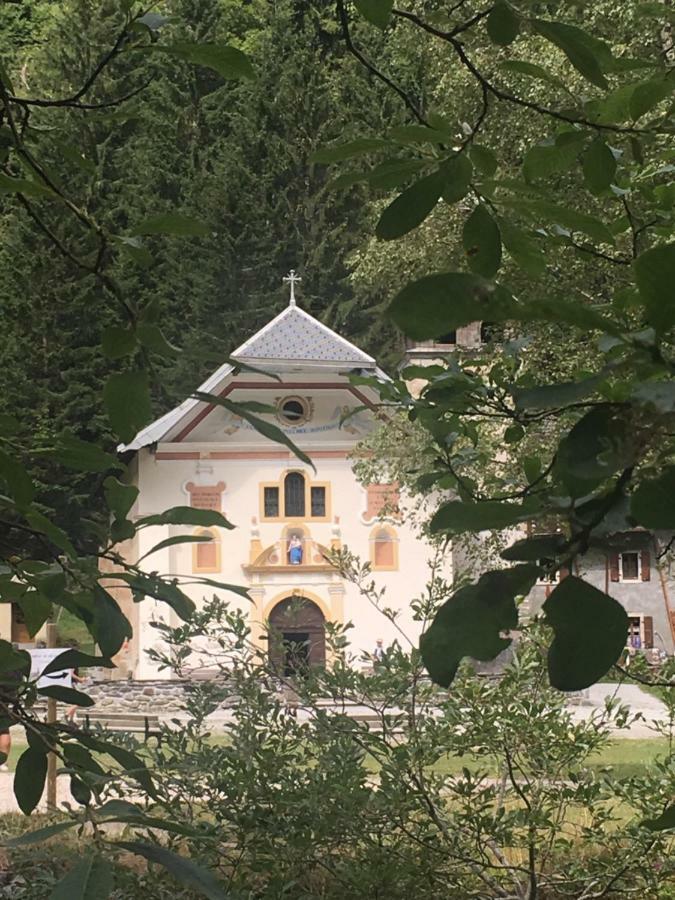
[{"x": 286, "y": 514}]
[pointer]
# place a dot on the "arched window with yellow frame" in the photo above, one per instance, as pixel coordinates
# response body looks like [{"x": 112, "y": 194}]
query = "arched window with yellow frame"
[
  {"x": 206, "y": 553},
  {"x": 383, "y": 549}
]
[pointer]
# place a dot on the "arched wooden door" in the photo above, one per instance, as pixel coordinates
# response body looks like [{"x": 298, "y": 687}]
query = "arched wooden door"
[{"x": 297, "y": 638}]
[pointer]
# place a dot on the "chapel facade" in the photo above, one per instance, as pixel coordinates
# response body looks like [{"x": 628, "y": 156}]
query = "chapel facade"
[{"x": 287, "y": 516}]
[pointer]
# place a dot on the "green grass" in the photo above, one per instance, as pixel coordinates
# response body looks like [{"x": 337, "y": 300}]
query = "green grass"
[{"x": 626, "y": 757}]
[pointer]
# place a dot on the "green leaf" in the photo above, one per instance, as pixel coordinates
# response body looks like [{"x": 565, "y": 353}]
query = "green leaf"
[
  {"x": 66, "y": 695},
  {"x": 174, "y": 224},
  {"x": 562, "y": 215},
  {"x": 227, "y": 61},
  {"x": 440, "y": 303},
  {"x": 551, "y": 395},
  {"x": 457, "y": 172},
  {"x": 134, "y": 248},
  {"x": 25, "y": 186},
  {"x": 152, "y": 338},
  {"x": 655, "y": 276},
  {"x": 661, "y": 823},
  {"x": 503, "y": 24},
  {"x": 168, "y": 592},
  {"x": 595, "y": 448},
  {"x": 410, "y": 208},
  {"x": 110, "y": 627},
  {"x": 599, "y": 166},
  {"x": 456, "y": 517},
  {"x": 120, "y": 497},
  {"x": 127, "y": 400},
  {"x": 17, "y": 479},
  {"x": 393, "y": 173},
  {"x": 12, "y": 660},
  {"x": 83, "y": 456},
  {"x": 271, "y": 432},
  {"x": 74, "y": 659},
  {"x": 649, "y": 94},
  {"x": 39, "y": 835},
  {"x": 36, "y": 610},
  {"x": 531, "y": 70},
  {"x": 377, "y": 12},
  {"x": 652, "y": 503},
  {"x": 472, "y": 621},
  {"x": 483, "y": 159},
  {"x": 590, "y": 634},
  {"x": 55, "y": 534},
  {"x": 522, "y": 249},
  {"x": 340, "y": 152},
  {"x": 184, "y": 870},
  {"x": 551, "y": 157},
  {"x": 187, "y": 515},
  {"x": 211, "y": 582},
  {"x": 532, "y": 549},
  {"x": 131, "y": 763},
  {"x": 178, "y": 539},
  {"x": 482, "y": 242},
  {"x": 577, "y": 47},
  {"x": 29, "y": 779},
  {"x": 118, "y": 342},
  {"x": 91, "y": 879}
]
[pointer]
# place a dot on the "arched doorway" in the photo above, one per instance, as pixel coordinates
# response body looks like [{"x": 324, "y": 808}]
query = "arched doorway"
[{"x": 297, "y": 638}]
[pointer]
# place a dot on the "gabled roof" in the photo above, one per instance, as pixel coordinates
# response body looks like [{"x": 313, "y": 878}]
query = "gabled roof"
[
  {"x": 291, "y": 337},
  {"x": 296, "y": 336}
]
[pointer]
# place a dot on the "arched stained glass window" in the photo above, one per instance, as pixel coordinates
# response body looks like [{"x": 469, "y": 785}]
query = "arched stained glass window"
[{"x": 294, "y": 494}]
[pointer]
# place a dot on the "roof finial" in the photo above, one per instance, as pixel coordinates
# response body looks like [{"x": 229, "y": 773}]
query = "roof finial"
[{"x": 292, "y": 279}]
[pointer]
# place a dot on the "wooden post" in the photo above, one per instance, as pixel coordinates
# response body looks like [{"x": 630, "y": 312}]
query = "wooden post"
[{"x": 51, "y": 718}]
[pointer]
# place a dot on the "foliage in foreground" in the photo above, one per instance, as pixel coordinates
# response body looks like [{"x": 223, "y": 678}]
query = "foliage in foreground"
[{"x": 299, "y": 799}]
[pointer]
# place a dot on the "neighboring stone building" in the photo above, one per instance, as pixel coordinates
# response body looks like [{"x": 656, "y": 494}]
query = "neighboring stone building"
[
  {"x": 637, "y": 570},
  {"x": 637, "y": 573},
  {"x": 286, "y": 515}
]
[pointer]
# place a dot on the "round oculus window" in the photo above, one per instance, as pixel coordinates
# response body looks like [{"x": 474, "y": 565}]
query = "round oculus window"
[{"x": 294, "y": 410}]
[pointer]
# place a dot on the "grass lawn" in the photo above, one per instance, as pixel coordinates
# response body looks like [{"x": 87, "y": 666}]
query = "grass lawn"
[{"x": 626, "y": 757}]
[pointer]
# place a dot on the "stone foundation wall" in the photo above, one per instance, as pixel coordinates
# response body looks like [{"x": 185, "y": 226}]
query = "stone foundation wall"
[{"x": 138, "y": 696}]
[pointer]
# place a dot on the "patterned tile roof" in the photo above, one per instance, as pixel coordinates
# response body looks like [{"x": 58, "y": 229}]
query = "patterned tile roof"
[{"x": 295, "y": 335}]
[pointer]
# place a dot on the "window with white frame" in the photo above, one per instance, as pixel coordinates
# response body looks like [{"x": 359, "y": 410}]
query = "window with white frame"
[{"x": 629, "y": 565}]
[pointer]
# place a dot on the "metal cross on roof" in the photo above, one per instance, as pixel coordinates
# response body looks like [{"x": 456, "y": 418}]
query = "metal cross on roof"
[{"x": 292, "y": 279}]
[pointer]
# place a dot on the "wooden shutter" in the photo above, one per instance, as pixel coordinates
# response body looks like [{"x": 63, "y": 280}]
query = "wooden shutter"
[
  {"x": 648, "y": 624},
  {"x": 645, "y": 565},
  {"x": 613, "y": 566}
]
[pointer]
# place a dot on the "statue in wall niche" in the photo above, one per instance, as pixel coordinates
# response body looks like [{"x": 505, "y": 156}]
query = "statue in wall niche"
[{"x": 295, "y": 550}]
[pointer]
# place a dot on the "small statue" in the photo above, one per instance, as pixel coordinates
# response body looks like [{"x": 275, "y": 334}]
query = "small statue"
[{"x": 295, "y": 550}]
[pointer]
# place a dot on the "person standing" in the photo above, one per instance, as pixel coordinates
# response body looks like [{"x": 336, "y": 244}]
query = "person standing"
[
  {"x": 378, "y": 653},
  {"x": 76, "y": 679}
]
